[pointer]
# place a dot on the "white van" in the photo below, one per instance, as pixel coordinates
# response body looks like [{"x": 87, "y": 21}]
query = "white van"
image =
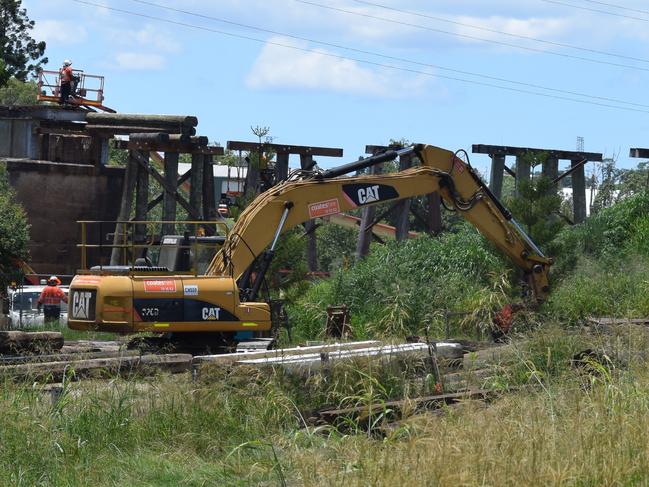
[{"x": 23, "y": 307}]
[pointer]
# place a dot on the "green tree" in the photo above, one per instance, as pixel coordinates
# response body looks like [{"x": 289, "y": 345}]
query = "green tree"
[
  {"x": 633, "y": 181},
  {"x": 607, "y": 189},
  {"x": 14, "y": 229},
  {"x": 537, "y": 206},
  {"x": 537, "y": 209},
  {"x": 116, "y": 157},
  {"x": 16, "y": 92},
  {"x": 336, "y": 246},
  {"x": 4, "y": 75},
  {"x": 21, "y": 54}
]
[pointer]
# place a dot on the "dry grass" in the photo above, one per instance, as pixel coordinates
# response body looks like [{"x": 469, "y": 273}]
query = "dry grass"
[
  {"x": 243, "y": 427},
  {"x": 572, "y": 429},
  {"x": 565, "y": 436}
]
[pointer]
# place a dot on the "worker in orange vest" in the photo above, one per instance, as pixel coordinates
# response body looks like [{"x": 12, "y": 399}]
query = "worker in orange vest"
[
  {"x": 65, "y": 80},
  {"x": 50, "y": 299}
]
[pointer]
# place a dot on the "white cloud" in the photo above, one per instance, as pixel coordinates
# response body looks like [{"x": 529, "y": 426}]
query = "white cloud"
[
  {"x": 139, "y": 61},
  {"x": 156, "y": 38},
  {"x": 284, "y": 68},
  {"x": 546, "y": 28},
  {"x": 59, "y": 31},
  {"x": 393, "y": 27},
  {"x": 151, "y": 36}
]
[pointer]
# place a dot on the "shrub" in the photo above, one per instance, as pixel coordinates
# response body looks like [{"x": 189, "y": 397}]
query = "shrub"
[
  {"x": 14, "y": 230},
  {"x": 400, "y": 287}
]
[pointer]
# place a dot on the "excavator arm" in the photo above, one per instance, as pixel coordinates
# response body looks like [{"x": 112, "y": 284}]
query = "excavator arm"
[{"x": 324, "y": 193}]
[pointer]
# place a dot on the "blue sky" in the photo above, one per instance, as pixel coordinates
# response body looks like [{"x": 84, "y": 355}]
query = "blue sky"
[{"x": 308, "y": 94}]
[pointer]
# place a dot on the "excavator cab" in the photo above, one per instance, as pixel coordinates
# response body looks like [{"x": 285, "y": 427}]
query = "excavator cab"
[{"x": 145, "y": 252}]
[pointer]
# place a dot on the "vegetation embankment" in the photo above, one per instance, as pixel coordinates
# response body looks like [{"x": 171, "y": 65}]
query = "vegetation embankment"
[
  {"x": 583, "y": 426},
  {"x": 602, "y": 264},
  {"x": 400, "y": 289},
  {"x": 558, "y": 424}
]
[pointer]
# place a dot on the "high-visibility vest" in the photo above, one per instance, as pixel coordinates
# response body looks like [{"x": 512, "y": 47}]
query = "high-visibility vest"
[
  {"x": 65, "y": 74},
  {"x": 52, "y": 296}
]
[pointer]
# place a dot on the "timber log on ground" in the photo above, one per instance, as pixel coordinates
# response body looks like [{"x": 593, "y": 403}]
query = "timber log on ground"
[
  {"x": 100, "y": 367},
  {"x": 35, "y": 342},
  {"x": 394, "y": 408}
]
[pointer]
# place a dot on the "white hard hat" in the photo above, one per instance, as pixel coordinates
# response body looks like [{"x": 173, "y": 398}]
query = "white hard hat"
[{"x": 67, "y": 62}]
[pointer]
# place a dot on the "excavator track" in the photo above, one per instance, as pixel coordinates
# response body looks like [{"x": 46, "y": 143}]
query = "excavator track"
[{"x": 198, "y": 343}]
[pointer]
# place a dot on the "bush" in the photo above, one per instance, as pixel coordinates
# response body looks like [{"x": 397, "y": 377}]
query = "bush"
[
  {"x": 336, "y": 246},
  {"x": 609, "y": 286},
  {"x": 14, "y": 230},
  {"x": 614, "y": 232},
  {"x": 402, "y": 286}
]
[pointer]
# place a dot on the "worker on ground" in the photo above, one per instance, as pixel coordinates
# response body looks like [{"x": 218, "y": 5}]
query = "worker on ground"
[
  {"x": 50, "y": 299},
  {"x": 65, "y": 79}
]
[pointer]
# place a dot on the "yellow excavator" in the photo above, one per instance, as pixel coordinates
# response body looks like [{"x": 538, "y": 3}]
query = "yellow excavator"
[{"x": 210, "y": 309}]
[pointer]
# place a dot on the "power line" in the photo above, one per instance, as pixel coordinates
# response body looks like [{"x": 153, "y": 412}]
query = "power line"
[
  {"x": 597, "y": 10},
  {"x": 387, "y": 66},
  {"x": 618, "y": 6},
  {"x": 467, "y": 36},
  {"x": 392, "y": 58},
  {"x": 495, "y": 31}
]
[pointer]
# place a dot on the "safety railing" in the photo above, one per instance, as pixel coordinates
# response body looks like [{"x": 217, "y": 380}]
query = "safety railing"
[
  {"x": 89, "y": 87},
  {"x": 128, "y": 247}
]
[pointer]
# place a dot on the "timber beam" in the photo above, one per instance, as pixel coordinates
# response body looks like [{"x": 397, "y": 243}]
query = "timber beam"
[
  {"x": 638, "y": 152},
  {"x": 170, "y": 146},
  {"x": 126, "y": 119},
  {"x": 110, "y": 130},
  {"x": 158, "y": 199},
  {"x": 285, "y": 149},
  {"x": 504, "y": 150},
  {"x": 378, "y": 149},
  {"x": 575, "y": 167}
]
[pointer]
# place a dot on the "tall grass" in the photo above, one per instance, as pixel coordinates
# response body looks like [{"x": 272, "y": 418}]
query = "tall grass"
[
  {"x": 403, "y": 288},
  {"x": 618, "y": 231},
  {"x": 577, "y": 429},
  {"x": 243, "y": 426},
  {"x": 407, "y": 288},
  {"x": 145, "y": 433},
  {"x": 562, "y": 436},
  {"x": 608, "y": 286}
]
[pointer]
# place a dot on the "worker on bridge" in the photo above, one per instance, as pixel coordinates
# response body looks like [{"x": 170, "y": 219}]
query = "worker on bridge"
[
  {"x": 50, "y": 299},
  {"x": 65, "y": 80}
]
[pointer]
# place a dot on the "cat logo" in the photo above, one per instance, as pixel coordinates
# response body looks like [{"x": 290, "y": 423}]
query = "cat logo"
[
  {"x": 368, "y": 195},
  {"x": 81, "y": 305},
  {"x": 211, "y": 314}
]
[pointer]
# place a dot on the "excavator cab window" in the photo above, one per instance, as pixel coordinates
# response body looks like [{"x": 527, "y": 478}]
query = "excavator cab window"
[
  {"x": 182, "y": 253},
  {"x": 171, "y": 253}
]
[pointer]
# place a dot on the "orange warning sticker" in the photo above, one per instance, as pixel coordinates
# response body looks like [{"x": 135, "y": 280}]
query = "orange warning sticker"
[
  {"x": 324, "y": 208},
  {"x": 86, "y": 280},
  {"x": 160, "y": 286},
  {"x": 458, "y": 165}
]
